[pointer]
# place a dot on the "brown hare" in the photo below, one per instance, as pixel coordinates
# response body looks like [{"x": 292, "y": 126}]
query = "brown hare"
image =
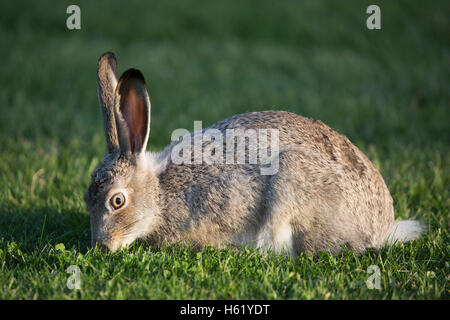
[{"x": 324, "y": 195}]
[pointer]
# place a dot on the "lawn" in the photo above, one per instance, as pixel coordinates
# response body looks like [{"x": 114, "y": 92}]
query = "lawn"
[{"x": 388, "y": 90}]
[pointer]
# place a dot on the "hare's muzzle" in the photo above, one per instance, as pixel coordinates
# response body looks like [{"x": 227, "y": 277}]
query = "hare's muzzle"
[
  {"x": 104, "y": 246},
  {"x": 101, "y": 246}
]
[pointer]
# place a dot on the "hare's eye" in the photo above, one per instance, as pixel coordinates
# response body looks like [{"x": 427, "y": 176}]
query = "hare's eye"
[{"x": 117, "y": 200}]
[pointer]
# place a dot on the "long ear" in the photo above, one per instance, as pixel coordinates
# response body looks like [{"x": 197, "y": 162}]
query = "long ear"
[
  {"x": 106, "y": 85},
  {"x": 132, "y": 111}
]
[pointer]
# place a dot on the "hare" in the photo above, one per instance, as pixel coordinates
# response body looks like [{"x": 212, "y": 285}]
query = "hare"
[{"x": 324, "y": 196}]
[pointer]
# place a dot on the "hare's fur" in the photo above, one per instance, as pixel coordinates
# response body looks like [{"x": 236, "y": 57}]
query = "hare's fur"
[{"x": 326, "y": 194}]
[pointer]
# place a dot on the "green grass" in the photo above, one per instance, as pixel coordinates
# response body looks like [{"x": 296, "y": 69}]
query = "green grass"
[{"x": 387, "y": 90}]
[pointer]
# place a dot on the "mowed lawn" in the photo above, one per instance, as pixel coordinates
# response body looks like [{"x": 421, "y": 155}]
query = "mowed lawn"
[{"x": 388, "y": 90}]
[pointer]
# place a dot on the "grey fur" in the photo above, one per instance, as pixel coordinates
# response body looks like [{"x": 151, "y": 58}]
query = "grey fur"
[
  {"x": 106, "y": 84},
  {"x": 326, "y": 195}
]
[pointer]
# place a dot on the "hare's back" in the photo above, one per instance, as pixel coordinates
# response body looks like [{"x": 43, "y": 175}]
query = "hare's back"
[{"x": 295, "y": 131}]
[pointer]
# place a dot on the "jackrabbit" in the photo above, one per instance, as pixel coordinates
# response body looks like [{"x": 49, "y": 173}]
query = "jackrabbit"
[{"x": 323, "y": 194}]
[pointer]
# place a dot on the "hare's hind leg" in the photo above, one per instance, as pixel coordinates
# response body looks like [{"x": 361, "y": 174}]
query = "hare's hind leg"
[
  {"x": 307, "y": 209},
  {"x": 287, "y": 200}
]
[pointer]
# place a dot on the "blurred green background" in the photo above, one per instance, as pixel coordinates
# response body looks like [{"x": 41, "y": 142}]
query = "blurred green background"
[
  {"x": 209, "y": 59},
  {"x": 387, "y": 90}
]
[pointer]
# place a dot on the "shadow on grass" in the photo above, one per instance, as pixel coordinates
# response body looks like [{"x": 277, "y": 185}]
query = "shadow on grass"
[{"x": 35, "y": 228}]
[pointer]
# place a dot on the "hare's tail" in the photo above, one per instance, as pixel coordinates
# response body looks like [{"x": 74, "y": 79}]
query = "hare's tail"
[{"x": 404, "y": 231}]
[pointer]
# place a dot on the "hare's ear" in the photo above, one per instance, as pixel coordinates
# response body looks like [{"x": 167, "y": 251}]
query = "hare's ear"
[
  {"x": 132, "y": 112},
  {"x": 106, "y": 85}
]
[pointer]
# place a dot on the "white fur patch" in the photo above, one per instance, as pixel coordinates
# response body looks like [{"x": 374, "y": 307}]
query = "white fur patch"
[
  {"x": 283, "y": 239},
  {"x": 155, "y": 162},
  {"x": 403, "y": 231}
]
